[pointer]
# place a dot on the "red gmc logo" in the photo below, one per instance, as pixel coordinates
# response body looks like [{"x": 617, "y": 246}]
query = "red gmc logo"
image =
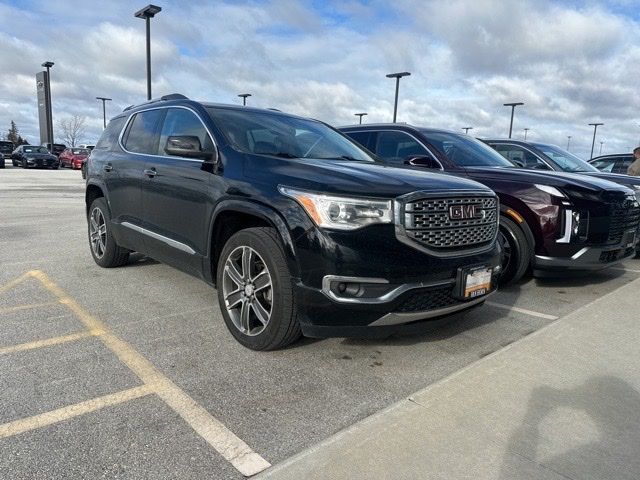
[{"x": 466, "y": 212}]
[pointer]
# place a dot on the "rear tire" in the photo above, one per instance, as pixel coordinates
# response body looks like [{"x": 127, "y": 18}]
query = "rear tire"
[
  {"x": 255, "y": 290},
  {"x": 104, "y": 249},
  {"x": 516, "y": 251}
]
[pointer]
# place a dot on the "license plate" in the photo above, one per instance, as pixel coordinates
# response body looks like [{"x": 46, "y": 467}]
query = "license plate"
[{"x": 477, "y": 282}]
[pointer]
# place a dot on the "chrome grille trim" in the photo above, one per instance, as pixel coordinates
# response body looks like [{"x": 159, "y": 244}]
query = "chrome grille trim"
[{"x": 422, "y": 221}]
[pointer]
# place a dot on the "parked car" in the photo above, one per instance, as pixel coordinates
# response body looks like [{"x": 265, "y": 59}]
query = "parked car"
[
  {"x": 26, "y": 156},
  {"x": 550, "y": 222},
  {"x": 543, "y": 156},
  {"x": 57, "y": 149},
  {"x": 6, "y": 148},
  {"x": 615, "y": 163},
  {"x": 301, "y": 230},
  {"x": 74, "y": 157}
]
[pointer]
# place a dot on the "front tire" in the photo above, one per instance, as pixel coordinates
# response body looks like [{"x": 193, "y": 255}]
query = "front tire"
[
  {"x": 255, "y": 290},
  {"x": 516, "y": 251},
  {"x": 104, "y": 249}
]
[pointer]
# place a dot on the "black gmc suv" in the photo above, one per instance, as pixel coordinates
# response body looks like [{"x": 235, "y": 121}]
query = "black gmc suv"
[
  {"x": 300, "y": 229},
  {"x": 549, "y": 221}
]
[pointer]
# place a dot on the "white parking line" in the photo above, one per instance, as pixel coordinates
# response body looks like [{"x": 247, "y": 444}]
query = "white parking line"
[
  {"x": 522, "y": 310},
  {"x": 631, "y": 270}
]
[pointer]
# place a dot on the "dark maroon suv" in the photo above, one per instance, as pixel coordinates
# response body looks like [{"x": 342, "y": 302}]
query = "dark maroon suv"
[{"x": 549, "y": 221}]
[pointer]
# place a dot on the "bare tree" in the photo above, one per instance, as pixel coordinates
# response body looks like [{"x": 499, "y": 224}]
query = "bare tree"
[{"x": 73, "y": 129}]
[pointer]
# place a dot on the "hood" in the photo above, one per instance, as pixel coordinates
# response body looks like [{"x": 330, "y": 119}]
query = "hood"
[
  {"x": 562, "y": 180},
  {"x": 616, "y": 177},
  {"x": 352, "y": 178}
]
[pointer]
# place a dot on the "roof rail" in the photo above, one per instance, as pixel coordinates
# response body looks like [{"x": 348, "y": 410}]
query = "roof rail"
[{"x": 164, "y": 98}]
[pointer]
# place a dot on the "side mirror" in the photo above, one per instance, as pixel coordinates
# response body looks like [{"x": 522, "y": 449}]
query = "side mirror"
[
  {"x": 187, "y": 146},
  {"x": 424, "y": 162}
]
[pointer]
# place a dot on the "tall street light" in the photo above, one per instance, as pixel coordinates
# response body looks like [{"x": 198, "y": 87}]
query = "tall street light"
[
  {"x": 513, "y": 107},
  {"x": 525, "y": 133},
  {"x": 568, "y": 141},
  {"x": 244, "y": 98},
  {"x": 397, "y": 76},
  {"x": 595, "y": 129},
  {"x": 148, "y": 13},
  {"x": 360, "y": 115},
  {"x": 104, "y": 110},
  {"x": 48, "y": 65},
  {"x": 466, "y": 130}
]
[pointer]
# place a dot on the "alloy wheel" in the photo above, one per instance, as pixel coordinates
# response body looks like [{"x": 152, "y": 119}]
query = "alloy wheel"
[
  {"x": 98, "y": 232},
  {"x": 248, "y": 290},
  {"x": 507, "y": 250}
]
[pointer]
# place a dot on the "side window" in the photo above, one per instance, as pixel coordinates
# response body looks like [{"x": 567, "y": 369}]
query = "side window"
[
  {"x": 363, "y": 138},
  {"x": 521, "y": 156},
  {"x": 181, "y": 122},
  {"x": 604, "y": 165},
  {"x": 141, "y": 135},
  {"x": 109, "y": 137},
  {"x": 625, "y": 162},
  {"x": 397, "y": 146}
]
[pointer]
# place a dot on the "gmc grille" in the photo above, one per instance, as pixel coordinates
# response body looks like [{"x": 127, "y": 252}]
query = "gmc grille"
[{"x": 428, "y": 222}]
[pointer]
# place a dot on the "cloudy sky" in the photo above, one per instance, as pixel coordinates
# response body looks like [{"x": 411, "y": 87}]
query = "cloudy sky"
[{"x": 572, "y": 62}]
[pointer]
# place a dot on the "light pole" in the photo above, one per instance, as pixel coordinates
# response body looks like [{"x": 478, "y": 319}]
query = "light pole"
[
  {"x": 48, "y": 65},
  {"x": 397, "y": 76},
  {"x": 148, "y": 13},
  {"x": 513, "y": 107},
  {"x": 525, "y": 133},
  {"x": 360, "y": 115},
  {"x": 466, "y": 130},
  {"x": 104, "y": 110},
  {"x": 593, "y": 143},
  {"x": 244, "y": 98},
  {"x": 601, "y": 143},
  {"x": 568, "y": 141}
]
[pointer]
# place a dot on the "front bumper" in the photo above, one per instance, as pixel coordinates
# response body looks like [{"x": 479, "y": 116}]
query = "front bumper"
[
  {"x": 586, "y": 259},
  {"x": 42, "y": 162}
]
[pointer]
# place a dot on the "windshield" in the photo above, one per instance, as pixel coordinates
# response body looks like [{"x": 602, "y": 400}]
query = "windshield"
[
  {"x": 35, "y": 150},
  {"x": 465, "y": 151},
  {"x": 264, "y": 133},
  {"x": 567, "y": 161},
  {"x": 6, "y": 146},
  {"x": 80, "y": 151}
]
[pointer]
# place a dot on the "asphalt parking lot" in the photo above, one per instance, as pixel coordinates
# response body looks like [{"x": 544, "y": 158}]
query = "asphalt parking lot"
[{"x": 131, "y": 373}]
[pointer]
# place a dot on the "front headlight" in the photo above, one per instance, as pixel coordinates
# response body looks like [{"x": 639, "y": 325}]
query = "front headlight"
[
  {"x": 341, "y": 213},
  {"x": 553, "y": 191}
]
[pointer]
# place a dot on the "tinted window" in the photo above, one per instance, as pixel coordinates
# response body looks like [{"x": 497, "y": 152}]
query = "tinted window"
[
  {"x": 567, "y": 161},
  {"x": 363, "y": 138},
  {"x": 35, "y": 150},
  {"x": 625, "y": 163},
  {"x": 465, "y": 151},
  {"x": 605, "y": 165},
  {"x": 395, "y": 147},
  {"x": 520, "y": 157},
  {"x": 110, "y": 135},
  {"x": 181, "y": 122},
  {"x": 141, "y": 134},
  {"x": 277, "y": 134}
]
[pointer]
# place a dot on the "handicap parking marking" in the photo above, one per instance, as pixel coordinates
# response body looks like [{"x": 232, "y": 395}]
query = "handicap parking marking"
[
  {"x": 524, "y": 311},
  {"x": 217, "y": 435}
]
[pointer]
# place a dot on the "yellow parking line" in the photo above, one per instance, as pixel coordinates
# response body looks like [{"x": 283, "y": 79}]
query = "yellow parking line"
[
  {"x": 15, "y": 282},
  {"x": 223, "y": 440},
  {"x": 17, "y": 308},
  {"x": 47, "y": 342},
  {"x": 65, "y": 413}
]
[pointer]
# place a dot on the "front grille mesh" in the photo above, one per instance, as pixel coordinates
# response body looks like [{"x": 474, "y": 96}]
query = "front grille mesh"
[
  {"x": 428, "y": 299},
  {"x": 625, "y": 217},
  {"x": 428, "y": 222}
]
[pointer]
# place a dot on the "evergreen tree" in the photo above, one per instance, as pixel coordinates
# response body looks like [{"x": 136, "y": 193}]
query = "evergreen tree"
[{"x": 13, "y": 135}]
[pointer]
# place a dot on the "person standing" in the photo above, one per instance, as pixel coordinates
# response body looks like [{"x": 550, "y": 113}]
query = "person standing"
[{"x": 634, "y": 168}]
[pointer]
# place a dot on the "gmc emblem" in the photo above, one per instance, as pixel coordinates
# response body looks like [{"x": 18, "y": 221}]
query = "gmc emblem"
[{"x": 466, "y": 212}]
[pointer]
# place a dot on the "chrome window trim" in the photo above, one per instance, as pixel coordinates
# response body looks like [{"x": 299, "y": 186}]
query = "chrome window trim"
[
  {"x": 395, "y": 318},
  {"x": 164, "y": 107},
  {"x": 169, "y": 241},
  {"x": 401, "y": 235},
  {"x": 441, "y": 169},
  {"x": 387, "y": 297}
]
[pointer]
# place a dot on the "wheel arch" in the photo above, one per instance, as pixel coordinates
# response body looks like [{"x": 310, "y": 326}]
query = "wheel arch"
[
  {"x": 231, "y": 216},
  {"x": 521, "y": 221}
]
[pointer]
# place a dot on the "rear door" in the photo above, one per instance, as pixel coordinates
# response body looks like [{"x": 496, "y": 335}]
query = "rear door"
[
  {"x": 123, "y": 171},
  {"x": 177, "y": 195}
]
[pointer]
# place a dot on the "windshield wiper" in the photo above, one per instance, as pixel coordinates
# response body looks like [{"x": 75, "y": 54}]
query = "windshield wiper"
[
  {"x": 341, "y": 157},
  {"x": 278, "y": 154}
]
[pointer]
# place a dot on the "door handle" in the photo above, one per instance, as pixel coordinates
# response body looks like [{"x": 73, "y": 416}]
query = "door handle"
[
  {"x": 108, "y": 167},
  {"x": 150, "y": 172}
]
